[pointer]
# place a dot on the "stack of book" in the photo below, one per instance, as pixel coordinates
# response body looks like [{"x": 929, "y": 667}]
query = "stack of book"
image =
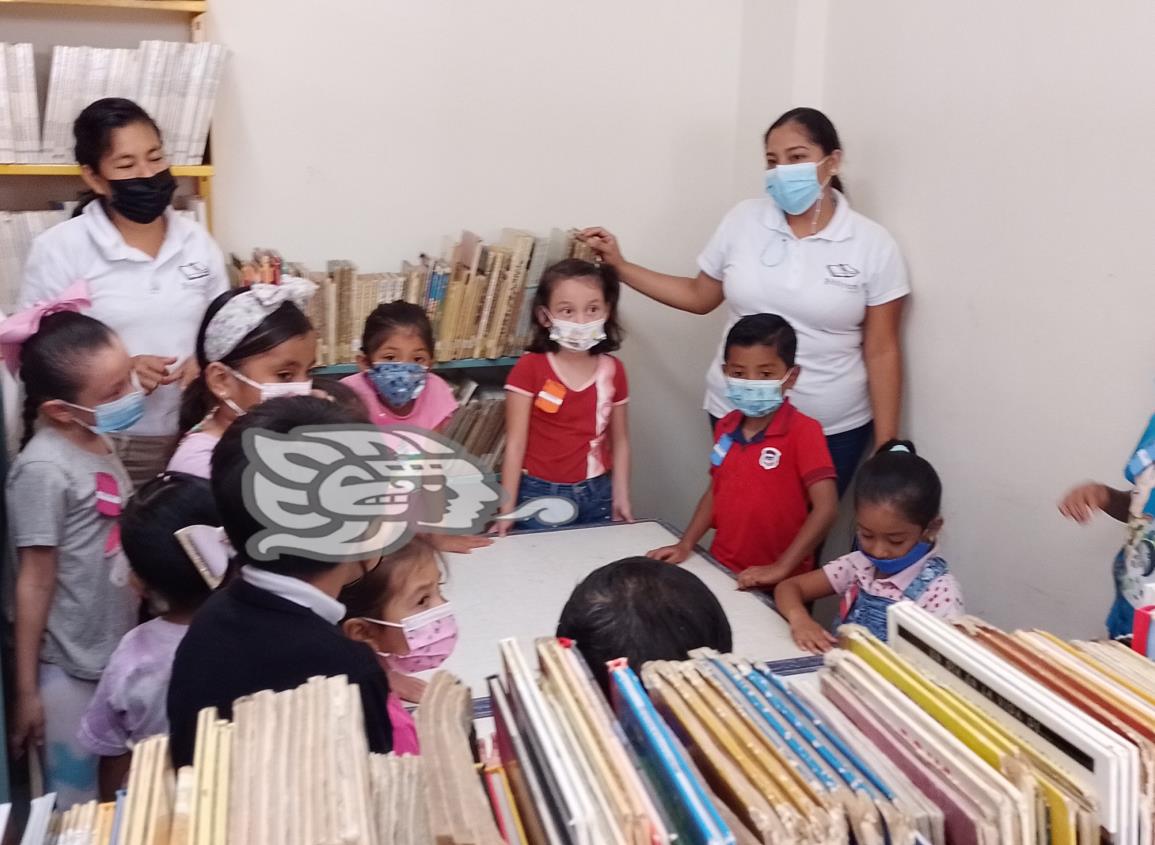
[
  {"x": 175, "y": 82},
  {"x": 479, "y": 424},
  {"x": 477, "y": 295}
]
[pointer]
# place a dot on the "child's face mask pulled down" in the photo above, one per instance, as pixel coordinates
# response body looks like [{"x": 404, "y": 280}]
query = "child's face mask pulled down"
[{"x": 430, "y": 635}]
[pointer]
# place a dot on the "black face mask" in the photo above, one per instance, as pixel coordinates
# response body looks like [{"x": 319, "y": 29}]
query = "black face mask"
[{"x": 142, "y": 200}]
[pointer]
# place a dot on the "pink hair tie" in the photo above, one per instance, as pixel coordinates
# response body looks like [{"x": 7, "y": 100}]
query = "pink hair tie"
[{"x": 17, "y": 329}]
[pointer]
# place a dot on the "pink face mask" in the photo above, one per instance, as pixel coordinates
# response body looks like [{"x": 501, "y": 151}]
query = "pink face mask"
[{"x": 430, "y": 635}]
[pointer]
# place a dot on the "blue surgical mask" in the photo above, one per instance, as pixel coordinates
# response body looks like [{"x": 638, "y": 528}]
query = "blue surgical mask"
[
  {"x": 795, "y": 187},
  {"x": 117, "y": 415},
  {"x": 895, "y": 565},
  {"x": 755, "y": 398},
  {"x": 398, "y": 382}
]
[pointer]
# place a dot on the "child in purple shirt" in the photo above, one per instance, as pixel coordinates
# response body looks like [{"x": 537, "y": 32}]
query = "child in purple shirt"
[{"x": 129, "y": 703}]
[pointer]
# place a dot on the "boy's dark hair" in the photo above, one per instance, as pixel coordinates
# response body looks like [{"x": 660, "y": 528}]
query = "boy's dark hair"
[
  {"x": 344, "y": 397},
  {"x": 764, "y": 330},
  {"x": 364, "y": 598},
  {"x": 230, "y": 462},
  {"x": 52, "y": 361},
  {"x": 148, "y": 527},
  {"x": 284, "y": 324},
  {"x": 93, "y": 130},
  {"x": 642, "y": 609},
  {"x": 818, "y": 128},
  {"x": 388, "y": 318},
  {"x": 898, "y": 477},
  {"x": 576, "y": 268}
]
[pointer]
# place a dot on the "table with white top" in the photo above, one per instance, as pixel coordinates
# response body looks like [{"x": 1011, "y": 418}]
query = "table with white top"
[{"x": 518, "y": 586}]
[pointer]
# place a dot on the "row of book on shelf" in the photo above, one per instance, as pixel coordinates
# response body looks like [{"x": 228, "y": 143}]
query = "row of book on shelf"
[
  {"x": 175, "y": 82},
  {"x": 19, "y": 228},
  {"x": 478, "y": 295},
  {"x": 953, "y": 734}
]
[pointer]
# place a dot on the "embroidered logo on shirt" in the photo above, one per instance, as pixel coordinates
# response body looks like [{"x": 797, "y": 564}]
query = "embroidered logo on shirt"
[
  {"x": 770, "y": 458},
  {"x": 194, "y": 270},
  {"x": 843, "y": 276}
]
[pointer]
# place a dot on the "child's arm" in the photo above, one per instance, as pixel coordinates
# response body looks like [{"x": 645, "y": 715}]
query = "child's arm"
[
  {"x": 517, "y": 411},
  {"x": 35, "y": 587},
  {"x": 791, "y": 598},
  {"x": 823, "y": 496},
  {"x": 112, "y": 774},
  {"x": 699, "y": 524},
  {"x": 620, "y": 444},
  {"x": 1081, "y": 503}
]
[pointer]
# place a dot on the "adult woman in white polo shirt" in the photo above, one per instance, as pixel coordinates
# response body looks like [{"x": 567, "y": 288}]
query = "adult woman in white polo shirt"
[
  {"x": 151, "y": 273},
  {"x": 804, "y": 254}
]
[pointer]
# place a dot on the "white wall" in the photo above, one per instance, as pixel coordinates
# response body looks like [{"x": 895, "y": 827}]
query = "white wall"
[
  {"x": 1006, "y": 147},
  {"x": 372, "y": 132}
]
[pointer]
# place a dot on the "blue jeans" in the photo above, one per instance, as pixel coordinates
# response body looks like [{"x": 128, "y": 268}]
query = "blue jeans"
[
  {"x": 594, "y": 498},
  {"x": 846, "y": 450}
]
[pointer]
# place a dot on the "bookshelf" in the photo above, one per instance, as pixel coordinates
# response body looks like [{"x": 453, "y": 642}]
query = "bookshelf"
[{"x": 463, "y": 364}]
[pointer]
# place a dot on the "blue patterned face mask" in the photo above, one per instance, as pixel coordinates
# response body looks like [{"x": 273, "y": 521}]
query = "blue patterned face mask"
[
  {"x": 397, "y": 382},
  {"x": 755, "y": 397}
]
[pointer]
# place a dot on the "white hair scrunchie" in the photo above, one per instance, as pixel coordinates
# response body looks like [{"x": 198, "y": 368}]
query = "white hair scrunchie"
[{"x": 245, "y": 311}]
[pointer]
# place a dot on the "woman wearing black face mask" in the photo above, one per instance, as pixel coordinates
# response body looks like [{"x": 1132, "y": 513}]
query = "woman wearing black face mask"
[{"x": 151, "y": 273}]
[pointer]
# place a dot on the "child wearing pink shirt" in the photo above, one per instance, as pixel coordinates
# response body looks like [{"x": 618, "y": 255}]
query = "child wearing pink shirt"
[
  {"x": 394, "y": 382},
  {"x": 897, "y": 497}
]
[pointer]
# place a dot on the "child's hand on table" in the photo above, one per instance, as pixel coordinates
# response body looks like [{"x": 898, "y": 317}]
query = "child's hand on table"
[
  {"x": 810, "y": 636},
  {"x": 407, "y": 687},
  {"x": 622, "y": 512},
  {"x": 1081, "y": 503},
  {"x": 759, "y": 577},
  {"x": 676, "y": 553}
]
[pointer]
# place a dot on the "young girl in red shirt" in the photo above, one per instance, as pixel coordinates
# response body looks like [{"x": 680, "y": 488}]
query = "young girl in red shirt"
[{"x": 565, "y": 412}]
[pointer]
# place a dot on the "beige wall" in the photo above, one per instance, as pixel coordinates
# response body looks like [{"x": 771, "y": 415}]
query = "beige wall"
[{"x": 1006, "y": 147}]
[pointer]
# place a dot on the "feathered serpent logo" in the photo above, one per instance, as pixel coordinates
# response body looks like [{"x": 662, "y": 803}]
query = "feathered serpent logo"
[{"x": 339, "y": 493}]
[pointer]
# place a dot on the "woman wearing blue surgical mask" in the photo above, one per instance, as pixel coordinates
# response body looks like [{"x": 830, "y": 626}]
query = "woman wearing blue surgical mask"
[
  {"x": 151, "y": 271},
  {"x": 837, "y": 277},
  {"x": 254, "y": 344}
]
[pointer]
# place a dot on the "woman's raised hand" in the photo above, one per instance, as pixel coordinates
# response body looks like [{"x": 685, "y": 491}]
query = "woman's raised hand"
[
  {"x": 603, "y": 243},
  {"x": 152, "y": 371}
]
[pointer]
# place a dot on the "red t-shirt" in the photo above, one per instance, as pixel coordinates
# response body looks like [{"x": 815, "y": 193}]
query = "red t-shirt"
[
  {"x": 760, "y": 499},
  {"x": 569, "y": 425}
]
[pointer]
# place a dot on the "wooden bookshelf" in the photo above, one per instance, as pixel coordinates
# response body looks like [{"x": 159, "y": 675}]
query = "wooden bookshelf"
[
  {"x": 463, "y": 364},
  {"x": 199, "y": 171},
  {"x": 191, "y": 7}
]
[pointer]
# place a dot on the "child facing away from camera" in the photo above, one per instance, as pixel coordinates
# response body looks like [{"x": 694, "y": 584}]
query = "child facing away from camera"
[
  {"x": 129, "y": 704},
  {"x": 275, "y": 624},
  {"x": 772, "y": 496},
  {"x": 897, "y": 501},
  {"x": 642, "y": 610},
  {"x": 254, "y": 344},
  {"x": 398, "y": 611},
  {"x": 394, "y": 380},
  {"x": 64, "y": 495},
  {"x": 565, "y": 410}
]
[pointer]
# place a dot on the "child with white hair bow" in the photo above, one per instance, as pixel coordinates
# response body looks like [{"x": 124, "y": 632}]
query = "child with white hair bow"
[{"x": 254, "y": 344}]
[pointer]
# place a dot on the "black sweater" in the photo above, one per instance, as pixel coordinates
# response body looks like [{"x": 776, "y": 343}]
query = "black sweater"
[{"x": 244, "y": 640}]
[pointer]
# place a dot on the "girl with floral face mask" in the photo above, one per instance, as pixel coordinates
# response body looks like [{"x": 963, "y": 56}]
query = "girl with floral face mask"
[
  {"x": 394, "y": 381},
  {"x": 398, "y": 611},
  {"x": 65, "y": 491},
  {"x": 565, "y": 407},
  {"x": 255, "y": 343}
]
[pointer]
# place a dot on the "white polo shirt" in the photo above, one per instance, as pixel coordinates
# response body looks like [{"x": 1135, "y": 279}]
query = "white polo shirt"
[
  {"x": 154, "y": 304},
  {"x": 821, "y": 284}
]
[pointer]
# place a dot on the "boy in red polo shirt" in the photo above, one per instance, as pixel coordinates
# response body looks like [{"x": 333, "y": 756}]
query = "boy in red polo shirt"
[{"x": 772, "y": 496}]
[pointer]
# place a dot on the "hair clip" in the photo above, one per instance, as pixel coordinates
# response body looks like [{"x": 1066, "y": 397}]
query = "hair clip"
[
  {"x": 209, "y": 550},
  {"x": 899, "y": 447}
]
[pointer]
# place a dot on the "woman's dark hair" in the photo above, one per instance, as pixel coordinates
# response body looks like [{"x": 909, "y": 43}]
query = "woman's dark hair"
[
  {"x": 576, "y": 268},
  {"x": 148, "y": 527},
  {"x": 282, "y": 325},
  {"x": 898, "y": 477},
  {"x": 388, "y": 318},
  {"x": 642, "y": 609},
  {"x": 279, "y": 416},
  {"x": 818, "y": 127},
  {"x": 344, "y": 396},
  {"x": 93, "y": 130},
  {"x": 365, "y": 598},
  {"x": 768, "y": 330},
  {"x": 52, "y": 361}
]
